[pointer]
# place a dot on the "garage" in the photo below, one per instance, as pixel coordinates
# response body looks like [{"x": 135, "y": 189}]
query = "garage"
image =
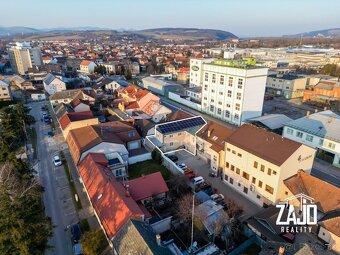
[{"x": 133, "y": 145}]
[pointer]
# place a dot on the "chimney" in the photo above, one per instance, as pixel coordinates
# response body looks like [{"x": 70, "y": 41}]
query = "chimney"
[
  {"x": 158, "y": 240},
  {"x": 307, "y": 114},
  {"x": 209, "y": 132},
  {"x": 281, "y": 250},
  {"x": 316, "y": 110}
]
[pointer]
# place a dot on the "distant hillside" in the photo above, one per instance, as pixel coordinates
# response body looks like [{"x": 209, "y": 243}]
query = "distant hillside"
[
  {"x": 186, "y": 33},
  {"x": 333, "y": 32},
  {"x": 17, "y": 30}
]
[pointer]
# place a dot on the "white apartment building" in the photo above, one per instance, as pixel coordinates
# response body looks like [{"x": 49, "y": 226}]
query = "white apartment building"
[
  {"x": 257, "y": 162},
  {"x": 233, "y": 91},
  {"x": 196, "y": 71},
  {"x": 320, "y": 131},
  {"x": 22, "y": 56},
  {"x": 53, "y": 84}
]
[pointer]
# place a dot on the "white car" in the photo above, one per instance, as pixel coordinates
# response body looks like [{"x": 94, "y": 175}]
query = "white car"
[
  {"x": 57, "y": 161},
  {"x": 182, "y": 166},
  {"x": 216, "y": 197}
]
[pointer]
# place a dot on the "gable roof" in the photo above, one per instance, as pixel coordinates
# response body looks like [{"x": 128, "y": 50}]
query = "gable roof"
[
  {"x": 323, "y": 124},
  {"x": 61, "y": 109},
  {"x": 147, "y": 186},
  {"x": 331, "y": 222},
  {"x": 215, "y": 134},
  {"x": 77, "y": 101},
  {"x": 134, "y": 92},
  {"x": 137, "y": 237},
  {"x": 85, "y": 62},
  {"x": 67, "y": 94},
  {"x": 87, "y": 137},
  {"x": 74, "y": 116},
  {"x": 316, "y": 188},
  {"x": 264, "y": 144},
  {"x": 49, "y": 78},
  {"x": 272, "y": 121},
  {"x": 109, "y": 198},
  {"x": 177, "y": 115}
]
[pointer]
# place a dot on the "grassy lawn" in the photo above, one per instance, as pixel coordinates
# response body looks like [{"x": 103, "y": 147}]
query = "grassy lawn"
[
  {"x": 148, "y": 167},
  {"x": 70, "y": 181}
]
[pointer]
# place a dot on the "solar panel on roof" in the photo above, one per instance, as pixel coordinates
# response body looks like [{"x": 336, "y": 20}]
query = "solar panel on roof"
[{"x": 181, "y": 124}]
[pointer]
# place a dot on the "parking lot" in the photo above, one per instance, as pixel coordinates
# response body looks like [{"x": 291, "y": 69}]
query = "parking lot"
[
  {"x": 293, "y": 108},
  {"x": 203, "y": 169}
]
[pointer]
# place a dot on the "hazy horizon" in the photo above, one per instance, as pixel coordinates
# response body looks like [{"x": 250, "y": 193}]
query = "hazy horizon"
[{"x": 242, "y": 18}]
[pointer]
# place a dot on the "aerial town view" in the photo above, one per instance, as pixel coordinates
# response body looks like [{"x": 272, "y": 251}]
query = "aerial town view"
[{"x": 175, "y": 127}]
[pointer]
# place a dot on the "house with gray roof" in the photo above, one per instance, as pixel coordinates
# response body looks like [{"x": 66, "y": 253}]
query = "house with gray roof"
[
  {"x": 321, "y": 131},
  {"x": 53, "y": 84}
]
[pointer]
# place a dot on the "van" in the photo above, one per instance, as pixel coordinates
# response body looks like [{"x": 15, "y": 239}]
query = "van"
[{"x": 197, "y": 180}]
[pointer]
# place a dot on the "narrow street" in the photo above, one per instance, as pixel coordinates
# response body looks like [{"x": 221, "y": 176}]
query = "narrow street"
[{"x": 57, "y": 203}]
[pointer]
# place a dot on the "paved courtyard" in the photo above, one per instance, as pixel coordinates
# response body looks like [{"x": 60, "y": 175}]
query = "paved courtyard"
[{"x": 201, "y": 168}]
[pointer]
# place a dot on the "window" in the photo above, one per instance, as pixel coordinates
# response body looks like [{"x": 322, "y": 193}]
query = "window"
[
  {"x": 231, "y": 180},
  {"x": 309, "y": 138},
  {"x": 206, "y": 87},
  {"x": 227, "y": 164},
  {"x": 258, "y": 196},
  {"x": 230, "y": 82},
  {"x": 228, "y": 149},
  {"x": 237, "y": 116},
  {"x": 269, "y": 171},
  {"x": 238, "y": 96},
  {"x": 226, "y": 177},
  {"x": 212, "y": 108},
  {"x": 227, "y": 114},
  {"x": 219, "y": 111},
  {"x": 240, "y": 83},
  {"x": 299, "y": 134},
  {"x": 253, "y": 180},
  {"x": 245, "y": 190},
  {"x": 213, "y": 80},
  {"x": 269, "y": 189},
  {"x": 237, "y": 170},
  {"x": 237, "y": 107},
  {"x": 274, "y": 172},
  {"x": 222, "y": 80},
  {"x": 212, "y": 91},
  {"x": 331, "y": 145},
  {"x": 219, "y": 102},
  {"x": 289, "y": 131},
  {"x": 286, "y": 193},
  {"x": 245, "y": 176},
  {"x": 239, "y": 155},
  {"x": 212, "y": 100},
  {"x": 205, "y": 98},
  {"x": 232, "y": 167},
  {"x": 321, "y": 142},
  {"x": 179, "y": 133},
  {"x": 229, "y": 93},
  {"x": 119, "y": 172},
  {"x": 171, "y": 136},
  {"x": 215, "y": 158},
  {"x": 233, "y": 152},
  {"x": 262, "y": 168},
  {"x": 228, "y": 105},
  {"x": 220, "y": 93},
  {"x": 255, "y": 164},
  {"x": 260, "y": 184},
  {"x": 171, "y": 144},
  {"x": 206, "y": 76}
]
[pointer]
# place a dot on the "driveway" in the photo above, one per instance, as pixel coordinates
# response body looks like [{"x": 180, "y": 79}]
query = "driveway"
[{"x": 201, "y": 168}]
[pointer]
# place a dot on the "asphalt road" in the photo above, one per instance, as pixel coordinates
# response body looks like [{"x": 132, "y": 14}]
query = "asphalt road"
[{"x": 46, "y": 169}]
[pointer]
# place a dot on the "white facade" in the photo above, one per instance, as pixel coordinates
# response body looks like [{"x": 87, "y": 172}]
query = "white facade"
[
  {"x": 88, "y": 67},
  {"x": 196, "y": 71},
  {"x": 53, "y": 84},
  {"x": 233, "y": 94}
]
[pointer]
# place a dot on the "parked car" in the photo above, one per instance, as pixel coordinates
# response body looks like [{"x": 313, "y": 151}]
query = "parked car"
[
  {"x": 77, "y": 250},
  {"x": 188, "y": 171},
  {"x": 43, "y": 107},
  {"x": 216, "y": 196},
  {"x": 197, "y": 180},
  {"x": 268, "y": 97},
  {"x": 57, "y": 161},
  {"x": 212, "y": 174},
  {"x": 50, "y": 133},
  {"x": 173, "y": 158},
  {"x": 76, "y": 233},
  {"x": 182, "y": 166},
  {"x": 28, "y": 107}
]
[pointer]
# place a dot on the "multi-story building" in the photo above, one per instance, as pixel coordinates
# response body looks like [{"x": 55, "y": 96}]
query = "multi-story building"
[
  {"x": 23, "y": 56},
  {"x": 320, "y": 131},
  {"x": 5, "y": 91},
  {"x": 257, "y": 162},
  {"x": 286, "y": 85},
  {"x": 324, "y": 91},
  {"x": 233, "y": 90},
  {"x": 196, "y": 71}
]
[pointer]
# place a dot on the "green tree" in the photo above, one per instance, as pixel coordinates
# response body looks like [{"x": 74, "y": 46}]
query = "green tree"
[
  {"x": 156, "y": 156},
  {"x": 100, "y": 69},
  {"x": 92, "y": 242},
  {"x": 24, "y": 227},
  {"x": 331, "y": 69}
]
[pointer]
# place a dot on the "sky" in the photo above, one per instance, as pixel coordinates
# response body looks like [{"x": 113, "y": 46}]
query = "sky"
[{"x": 241, "y": 17}]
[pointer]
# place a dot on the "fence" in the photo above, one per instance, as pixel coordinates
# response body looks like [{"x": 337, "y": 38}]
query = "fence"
[
  {"x": 139, "y": 158},
  {"x": 177, "y": 98}
]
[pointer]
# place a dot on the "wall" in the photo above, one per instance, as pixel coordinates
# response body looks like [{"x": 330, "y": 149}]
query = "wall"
[
  {"x": 139, "y": 158},
  {"x": 178, "y": 99},
  {"x": 330, "y": 238},
  {"x": 161, "y": 226}
]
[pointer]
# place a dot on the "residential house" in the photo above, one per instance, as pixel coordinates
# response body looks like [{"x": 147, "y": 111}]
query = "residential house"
[
  {"x": 183, "y": 75},
  {"x": 320, "y": 131},
  {"x": 67, "y": 96},
  {"x": 114, "y": 139},
  {"x": 286, "y": 85},
  {"x": 87, "y": 66},
  {"x": 111, "y": 84},
  {"x": 35, "y": 94},
  {"x": 52, "y": 84},
  {"x": 5, "y": 91},
  {"x": 324, "y": 91},
  {"x": 321, "y": 192},
  {"x": 257, "y": 162},
  {"x": 271, "y": 122},
  {"x": 210, "y": 145},
  {"x": 61, "y": 109},
  {"x": 80, "y": 105},
  {"x": 178, "y": 134},
  {"x": 73, "y": 120},
  {"x": 160, "y": 85}
]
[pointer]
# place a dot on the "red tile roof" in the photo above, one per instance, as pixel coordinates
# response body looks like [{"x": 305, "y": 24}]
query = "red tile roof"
[
  {"x": 113, "y": 205},
  {"x": 85, "y": 62},
  {"x": 134, "y": 92},
  {"x": 74, "y": 116},
  {"x": 264, "y": 144},
  {"x": 184, "y": 69},
  {"x": 147, "y": 186}
]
